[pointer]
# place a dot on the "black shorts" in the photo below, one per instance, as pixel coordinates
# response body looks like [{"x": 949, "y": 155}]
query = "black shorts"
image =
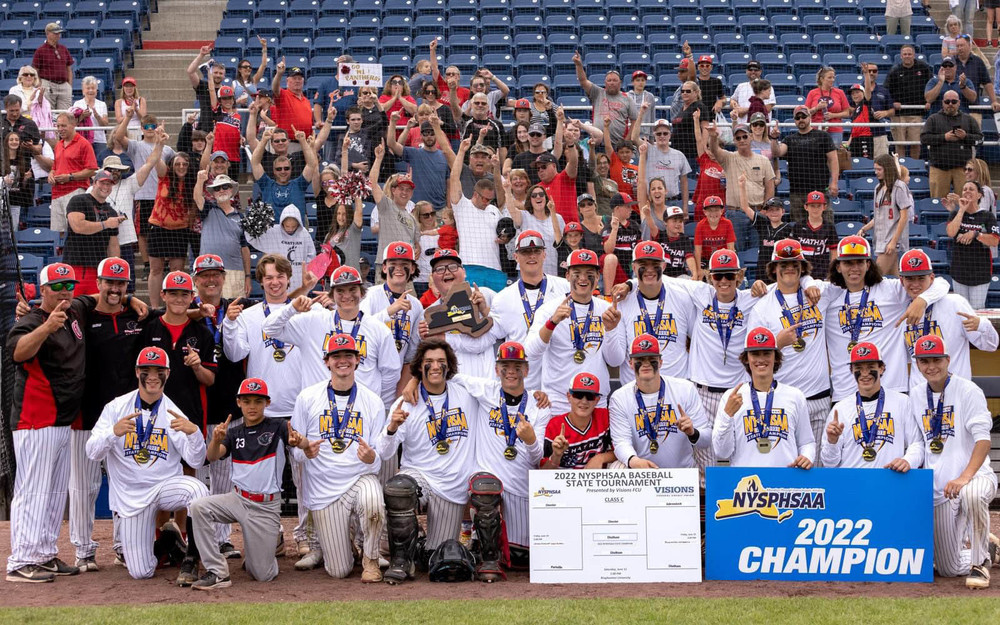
[
  {"x": 144, "y": 209},
  {"x": 991, "y": 4},
  {"x": 163, "y": 243}
]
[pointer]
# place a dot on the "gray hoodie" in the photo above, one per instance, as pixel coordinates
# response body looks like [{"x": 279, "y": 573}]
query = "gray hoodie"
[{"x": 297, "y": 247}]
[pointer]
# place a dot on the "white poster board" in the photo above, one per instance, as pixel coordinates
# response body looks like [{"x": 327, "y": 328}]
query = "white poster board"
[
  {"x": 360, "y": 74},
  {"x": 628, "y": 525}
]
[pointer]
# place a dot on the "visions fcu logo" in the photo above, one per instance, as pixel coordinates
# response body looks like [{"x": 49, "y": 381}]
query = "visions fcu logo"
[{"x": 778, "y": 504}]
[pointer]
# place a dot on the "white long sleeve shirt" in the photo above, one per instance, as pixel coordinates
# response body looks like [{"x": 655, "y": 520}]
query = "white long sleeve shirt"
[
  {"x": 403, "y": 324},
  {"x": 943, "y": 320},
  {"x": 897, "y": 434},
  {"x": 474, "y": 354},
  {"x": 787, "y": 428}
]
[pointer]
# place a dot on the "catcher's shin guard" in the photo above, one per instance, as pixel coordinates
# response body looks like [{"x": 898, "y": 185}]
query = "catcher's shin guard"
[
  {"x": 402, "y": 493},
  {"x": 485, "y": 490}
]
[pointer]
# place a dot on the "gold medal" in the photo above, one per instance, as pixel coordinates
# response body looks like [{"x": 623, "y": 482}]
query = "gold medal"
[
  {"x": 142, "y": 456},
  {"x": 399, "y": 345},
  {"x": 764, "y": 445},
  {"x": 799, "y": 344},
  {"x": 443, "y": 446},
  {"x": 338, "y": 445},
  {"x": 509, "y": 453},
  {"x": 851, "y": 346},
  {"x": 654, "y": 447},
  {"x": 278, "y": 355},
  {"x": 868, "y": 453},
  {"x": 579, "y": 356},
  {"x": 937, "y": 445}
]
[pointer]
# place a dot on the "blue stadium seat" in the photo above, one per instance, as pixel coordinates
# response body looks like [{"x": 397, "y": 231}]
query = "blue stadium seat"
[
  {"x": 841, "y": 62},
  {"x": 362, "y": 45},
  {"x": 466, "y": 63},
  {"x": 323, "y": 66},
  {"x": 77, "y": 47},
  {"x": 919, "y": 236},
  {"x": 916, "y": 166},
  {"x": 625, "y": 24},
  {"x": 328, "y": 46},
  {"x": 837, "y": 8},
  {"x": 810, "y": 7},
  {"x": 115, "y": 47},
  {"x": 689, "y": 23},
  {"x": 819, "y": 24},
  {"x": 761, "y": 43},
  {"x": 429, "y": 25},
  {"x": 663, "y": 43},
  {"x": 25, "y": 10},
  {"x": 772, "y": 63},
  {"x": 234, "y": 27},
  {"x": 463, "y": 44},
  {"x": 658, "y": 24},
  {"x": 882, "y": 61},
  {"x": 300, "y": 26},
  {"x": 268, "y": 26},
  {"x": 805, "y": 63},
  {"x": 684, "y": 7},
  {"x": 629, "y": 42},
  {"x": 598, "y": 63},
  {"x": 746, "y": 6},
  {"x": 783, "y": 84},
  {"x": 494, "y": 8},
  {"x": 701, "y": 43},
  {"x": 101, "y": 67},
  {"x": 891, "y": 44},
  {"x": 557, "y": 44},
  {"x": 718, "y": 24},
  {"x": 716, "y": 7},
  {"x": 31, "y": 265},
  {"x": 125, "y": 9},
  {"x": 589, "y": 7},
  {"x": 861, "y": 168},
  {"x": 931, "y": 211},
  {"x": 786, "y": 24},
  {"x": 532, "y": 63},
  {"x": 60, "y": 11},
  {"x": 525, "y": 6},
  {"x": 430, "y": 7},
  {"x": 272, "y": 8},
  {"x": 332, "y": 26},
  {"x": 848, "y": 24},
  {"x": 591, "y": 25},
  {"x": 502, "y": 44},
  {"x": 529, "y": 24},
  {"x": 830, "y": 43},
  {"x": 870, "y": 8},
  {"x": 234, "y": 8},
  {"x": 621, "y": 7},
  {"x": 396, "y": 64},
  {"x": 364, "y": 26},
  {"x": 560, "y": 24},
  {"x": 496, "y": 25},
  {"x": 778, "y": 7},
  {"x": 666, "y": 63},
  {"x": 793, "y": 43},
  {"x": 847, "y": 228},
  {"x": 20, "y": 29},
  {"x": 634, "y": 61},
  {"x": 396, "y": 45},
  {"x": 922, "y": 25},
  {"x": 304, "y": 8},
  {"x": 733, "y": 63},
  {"x": 502, "y": 64},
  {"x": 562, "y": 84},
  {"x": 863, "y": 43},
  {"x": 38, "y": 241},
  {"x": 529, "y": 43},
  {"x": 729, "y": 42},
  {"x": 296, "y": 46}
]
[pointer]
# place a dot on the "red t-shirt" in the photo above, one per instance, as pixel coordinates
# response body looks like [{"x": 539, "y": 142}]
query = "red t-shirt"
[
  {"x": 448, "y": 237},
  {"x": 626, "y": 175},
  {"x": 291, "y": 110},
  {"x": 227, "y": 134},
  {"x": 562, "y": 190},
  {"x": 836, "y": 102},
  {"x": 463, "y": 92},
  {"x": 398, "y": 106},
  {"x": 713, "y": 239},
  {"x": 76, "y": 156},
  {"x": 711, "y": 181},
  {"x": 583, "y": 445}
]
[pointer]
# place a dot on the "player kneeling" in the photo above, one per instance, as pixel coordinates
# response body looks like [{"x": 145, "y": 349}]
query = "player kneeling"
[
  {"x": 142, "y": 449},
  {"x": 257, "y": 447},
  {"x": 340, "y": 468}
]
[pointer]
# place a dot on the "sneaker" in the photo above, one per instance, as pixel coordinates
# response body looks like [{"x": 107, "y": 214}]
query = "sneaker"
[
  {"x": 310, "y": 561},
  {"x": 86, "y": 564},
  {"x": 370, "y": 572},
  {"x": 31, "y": 574},
  {"x": 209, "y": 581},
  {"x": 279, "y": 551},
  {"x": 189, "y": 572},
  {"x": 979, "y": 577},
  {"x": 119, "y": 558},
  {"x": 994, "y": 551},
  {"x": 227, "y": 549},
  {"x": 58, "y": 567}
]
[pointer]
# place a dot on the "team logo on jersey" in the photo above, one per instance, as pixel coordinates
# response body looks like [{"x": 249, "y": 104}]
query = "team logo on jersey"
[
  {"x": 77, "y": 332},
  {"x": 265, "y": 438},
  {"x": 776, "y": 425},
  {"x": 351, "y": 430},
  {"x": 886, "y": 429},
  {"x": 708, "y": 317},
  {"x": 666, "y": 332},
  {"x": 360, "y": 343},
  {"x": 455, "y": 421},
  {"x": 132, "y": 327},
  {"x": 871, "y": 318},
  {"x": 191, "y": 342},
  {"x": 158, "y": 446},
  {"x": 777, "y": 504},
  {"x": 947, "y": 422},
  {"x": 914, "y": 332},
  {"x": 666, "y": 426}
]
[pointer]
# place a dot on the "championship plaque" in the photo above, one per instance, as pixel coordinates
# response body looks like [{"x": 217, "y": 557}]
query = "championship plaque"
[{"x": 456, "y": 312}]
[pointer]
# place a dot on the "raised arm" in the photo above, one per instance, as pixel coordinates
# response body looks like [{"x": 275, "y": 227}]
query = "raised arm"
[
  {"x": 572, "y": 161},
  {"x": 377, "y": 194},
  {"x": 608, "y": 148},
  {"x": 359, "y": 213},
  {"x": 637, "y": 126},
  {"x": 309, "y": 152},
  {"x": 455, "y": 179},
  {"x": 206, "y": 154},
  {"x": 199, "y": 190},
  {"x": 154, "y": 157},
  {"x": 258, "y": 155},
  {"x": 497, "y": 164},
  {"x": 442, "y": 140},
  {"x": 120, "y": 134},
  {"x": 279, "y": 71},
  {"x": 327, "y": 126},
  {"x": 390, "y": 134},
  {"x": 263, "y": 61},
  {"x": 194, "y": 74},
  {"x": 581, "y": 74},
  {"x": 557, "y": 137},
  {"x": 251, "y": 133}
]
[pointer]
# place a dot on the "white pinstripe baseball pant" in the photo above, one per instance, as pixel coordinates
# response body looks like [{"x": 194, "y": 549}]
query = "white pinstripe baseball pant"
[
  {"x": 139, "y": 532},
  {"x": 705, "y": 457},
  {"x": 444, "y": 518},
  {"x": 84, "y": 485},
  {"x": 819, "y": 410},
  {"x": 219, "y": 477},
  {"x": 363, "y": 502},
  {"x": 968, "y": 515},
  {"x": 40, "y": 485}
]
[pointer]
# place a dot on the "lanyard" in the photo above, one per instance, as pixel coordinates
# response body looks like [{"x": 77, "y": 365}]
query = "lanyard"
[
  {"x": 267, "y": 311},
  {"x": 214, "y": 325},
  {"x": 577, "y": 336},
  {"x": 858, "y": 318},
  {"x": 354, "y": 330},
  {"x": 399, "y": 317},
  {"x": 939, "y": 412},
  {"x": 529, "y": 311},
  {"x": 763, "y": 420},
  {"x": 787, "y": 314},
  {"x": 652, "y": 424},
  {"x": 868, "y": 432},
  {"x": 442, "y": 428},
  {"x": 653, "y": 327},
  {"x": 725, "y": 333},
  {"x": 338, "y": 417},
  {"x": 509, "y": 427},
  {"x": 143, "y": 433}
]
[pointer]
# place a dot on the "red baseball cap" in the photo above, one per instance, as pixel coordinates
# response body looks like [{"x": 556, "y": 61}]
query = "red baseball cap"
[
  {"x": 445, "y": 253},
  {"x": 853, "y": 246},
  {"x": 226, "y": 91},
  {"x": 648, "y": 250},
  {"x": 816, "y": 197},
  {"x": 408, "y": 181},
  {"x": 339, "y": 343},
  {"x": 573, "y": 226},
  {"x": 57, "y": 272},
  {"x": 684, "y": 64},
  {"x": 345, "y": 276},
  {"x": 915, "y": 263},
  {"x": 864, "y": 352},
  {"x": 644, "y": 345},
  {"x": 208, "y": 262},
  {"x": 786, "y": 250},
  {"x": 802, "y": 108},
  {"x": 586, "y": 383},
  {"x": 399, "y": 250},
  {"x": 723, "y": 261},
  {"x": 114, "y": 268},
  {"x": 529, "y": 239},
  {"x": 253, "y": 386},
  {"x": 704, "y": 58},
  {"x": 713, "y": 200},
  {"x": 152, "y": 357},
  {"x": 511, "y": 351},
  {"x": 929, "y": 346},
  {"x": 639, "y": 74},
  {"x": 522, "y": 104},
  {"x": 583, "y": 258},
  {"x": 178, "y": 281},
  {"x": 760, "y": 340}
]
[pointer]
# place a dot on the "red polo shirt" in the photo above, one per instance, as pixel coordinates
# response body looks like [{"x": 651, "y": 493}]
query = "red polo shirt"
[
  {"x": 562, "y": 190},
  {"x": 291, "y": 110},
  {"x": 52, "y": 62},
  {"x": 76, "y": 156}
]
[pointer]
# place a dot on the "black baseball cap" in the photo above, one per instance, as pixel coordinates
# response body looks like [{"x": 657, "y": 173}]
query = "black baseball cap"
[
  {"x": 296, "y": 71},
  {"x": 753, "y": 64},
  {"x": 544, "y": 159}
]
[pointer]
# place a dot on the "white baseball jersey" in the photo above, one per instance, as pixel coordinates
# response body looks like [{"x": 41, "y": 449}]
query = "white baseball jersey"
[
  {"x": 885, "y": 303},
  {"x": 512, "y": 323},
  {"x": 786, "y": 427},
  {"x": 474, "y": 355},
  {"x": 133, "y": 476},
  {"x": 894, "y": 429},
  {"x": 965, "y": 420},
  {"x": 311, "y": 332},
  {"x": 329, "y": 475},
  {"x": 672, "y": 331},
  {"x": 629, "y": 425},
  {"x": 403, "y": 325},
  {"x": 447, "y": 474},
  {"x": 804, "y": 370},
  {"x": 245, "y": 338},
  {"x": 601, "y": 349},
  {"x": 943, "y": 320}
]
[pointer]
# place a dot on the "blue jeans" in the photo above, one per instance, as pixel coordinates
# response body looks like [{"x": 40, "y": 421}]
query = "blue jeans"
[
  {"x": 485, "y": 277},
  {"x": 746, "y": 235},
  {"x": 966, "y": 11}
]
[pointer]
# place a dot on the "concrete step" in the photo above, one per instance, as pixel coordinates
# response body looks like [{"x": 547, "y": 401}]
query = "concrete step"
[{"x": 185, "y": 20}]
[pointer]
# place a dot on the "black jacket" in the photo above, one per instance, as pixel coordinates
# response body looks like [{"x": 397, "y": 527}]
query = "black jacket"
[
  {"x": 945, "y": 154},
  {"x": 906, "y": 84}
]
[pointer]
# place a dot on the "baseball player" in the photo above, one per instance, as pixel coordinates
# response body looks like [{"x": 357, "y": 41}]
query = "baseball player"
[
  {"x": 436, "y": 435},
  {"x": 586, "y": 444},
  {"x": 955, "y": 426},
  {"x": 952, "y": 318},
  {"x": 513, "y": 309},
  {"x": 271, "y": 359},
  {"x": 589, "y": 343},
  {"x": 865, "y": 307},
  {"x": 391, "y": 304},
  {"x": 657, "y": 307},
  {"x": 764, "y": 423},
  {"x": 656, "y": 420},
  {"x": 883, "y": 431},
  {"x": 475, "y": 355},
  {"x": 312, "y": 332},
  {"x": 47, "y": 349},
  {"x": 256, "y": 445},
  {"x": 798, "y": 326},
  {"x": 142, "y": 437},
  {"x": 338, "y": 420}
]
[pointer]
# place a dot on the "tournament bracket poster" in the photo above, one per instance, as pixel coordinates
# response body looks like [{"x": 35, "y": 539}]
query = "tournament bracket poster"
[{"x": 872, "y": 525}]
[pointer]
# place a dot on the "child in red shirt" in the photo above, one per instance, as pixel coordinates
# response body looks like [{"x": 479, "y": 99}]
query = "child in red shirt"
[{"x": 712, "y": 233}]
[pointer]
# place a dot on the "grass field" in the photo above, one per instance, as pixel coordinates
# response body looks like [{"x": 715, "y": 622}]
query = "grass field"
[{"x": 797, "y": 610}]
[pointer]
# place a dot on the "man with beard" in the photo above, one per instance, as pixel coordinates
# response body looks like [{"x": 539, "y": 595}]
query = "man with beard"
[
  {"x": 428, "y": 162},
  {"x": 93, "y": 231},
  {"x": 608, "y": 101},
  {"x": 812, "y": 160},
  {"x": 142, "y": 436}
]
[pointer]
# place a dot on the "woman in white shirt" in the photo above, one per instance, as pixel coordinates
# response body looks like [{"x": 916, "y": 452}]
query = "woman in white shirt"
[
  {"x": 130, "y": 98},
  {"x": 539, "y": 214},
  {"x": 96, "y": 109},
  {"x": 29, "y": 89}
]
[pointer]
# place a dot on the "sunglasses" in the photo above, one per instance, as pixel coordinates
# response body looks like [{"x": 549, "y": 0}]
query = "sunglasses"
[
  {"x": 282, "y": 169},
  {"x": 583, "y": 396},
  {"x": 741, "y": 137},
  {"x": 950, "y": 101},
  {"x": 452, "y": 74},
  {"x": 541, "y": 92},
  {"x": 538, "y": 194},
  {"x": 443, "y": 269},
  {"x": 430, "y": 92},
  {"x": 396, "y": 82},
  {"x": 724, "y": 276},
  {"x": 969, "y": 169},
  {"x": 244, "y": 67},
  {"x": 63, "y": 286},
  {"x": 536, "y": 134},
  {"x": 423, "y": 215},
  {"x": 225, "y": 187},
  {"x": 801, "y": 116},
  {"x": 279, "y": 140},
  {"x": 873, "y": 71},
  {"x": 153, "y": 126},
  {"x": 480, "y": 103},
  {"x": 758, "y": 124},
  {"x": 661, "y": 134},
  {"x": 687, "y": 90}
]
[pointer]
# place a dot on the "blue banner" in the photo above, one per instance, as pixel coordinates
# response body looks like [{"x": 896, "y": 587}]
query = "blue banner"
[{"x": 872, "y": 525}]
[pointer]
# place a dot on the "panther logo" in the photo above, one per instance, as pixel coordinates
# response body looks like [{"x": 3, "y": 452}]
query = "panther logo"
[
  {"x": 724, "y": 259},
  {"x": 61, "y": 270},
  {"x": 346, "y": 276},
  {"x": 760, "y": 338},
  {"x": 928, "y": 345},
  {"x": 341, "y": 340},
  {"x": 152, "y": 355},
  {"x": 648, "y": 249},
  {"x": 914, "y": 262},
  {"x": 585, "y": 257},
  {"x": 862, "y": 351},
  {"x": 179, "y": 280},
  {"x": 253, "y": 386},
  {"x": 588, "y": 382},
  {"x": 117, "y": 269},
  {"x": 788, "y": 250},
  {"x": 399, "y": 250},
  {"x": 645, "y": 346}
]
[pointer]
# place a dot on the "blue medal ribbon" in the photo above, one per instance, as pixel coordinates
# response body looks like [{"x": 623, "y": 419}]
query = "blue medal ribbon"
[
  {"x": 143, "y": 433},
  {"x": 763, "y": 420},
  {"x": 576, "y": 336},
  {"x": 653, "y": 327},
  {"x": 510, "y": 428},
  {"x": 275, "y": 342},
  {"x": 529, "y": 311},
  {"x": 938, "y": 413},
  {"x": 400, "y": 317},
  {"x": 338, "y": 417},
  {"x": 787, "y": 314},
  {"x": 652, "y": 424},
  {"x": 858, "y": 318},
  {"x": 442, "y": 429},
  {"x": 725, "y": 330},
  {"x": 214, "y": 325},
  {"x": 354, "y": 330},
  {"x": 868, "y": 432}
]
